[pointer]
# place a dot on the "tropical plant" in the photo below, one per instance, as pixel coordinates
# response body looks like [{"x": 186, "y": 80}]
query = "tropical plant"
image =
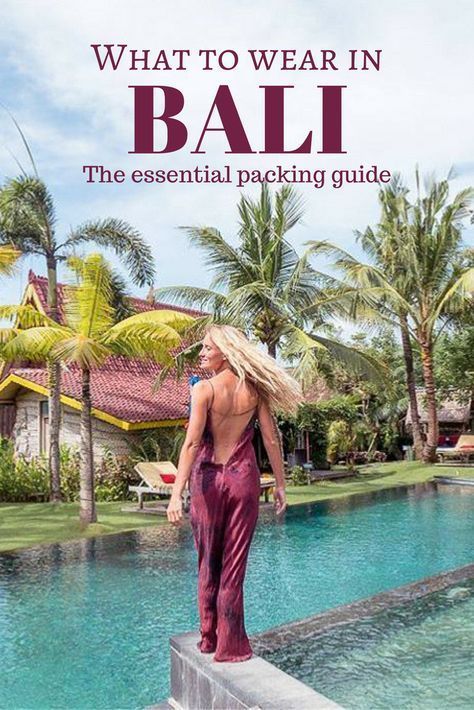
[
  {"x": 382, "y": 406},
  {"x": 161, "y": 444},
  {"x": 28, "y": 223},
  {"x": 26, "y": 479},
  {"x": 314, "y": 418},
  {"x": 20, "y": 479},
  {"x": 264, "y": 287},
  {"x": 87, "y": 338},
  {"x": 299, "y": 477},
  {"x": 435, "y": 279},
  {"x": 340, "y": 441}
]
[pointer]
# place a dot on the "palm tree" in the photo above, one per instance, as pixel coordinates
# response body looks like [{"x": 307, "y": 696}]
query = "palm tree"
[
  {"x": 385, "y": 245},
  {"x": 437, "y": 280},
  {"x": 263, "y": 286},
  {"x": 28, "y": 222},
  {"x": 87, "y": 338}
]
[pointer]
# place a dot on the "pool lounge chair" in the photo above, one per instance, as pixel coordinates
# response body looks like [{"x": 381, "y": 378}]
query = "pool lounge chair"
[
  {"x": 463, "y": 450},
  {"x": 157, "y": 479},
  {"x": 267, "y": 484}
]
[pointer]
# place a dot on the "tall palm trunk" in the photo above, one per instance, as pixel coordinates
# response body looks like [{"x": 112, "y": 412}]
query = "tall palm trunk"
[
  {"x": 429, "y": 452},
  {"x": 411, "y": 387},
  {"x": 87, "y": 512},
  {"x": 54, "y": 386},
  {"x": 54, "y": 378},
  {"x": 272, "y": 349}
]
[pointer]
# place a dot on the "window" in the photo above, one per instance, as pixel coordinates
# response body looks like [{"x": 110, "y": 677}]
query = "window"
[{"x": 44, "y": 427}]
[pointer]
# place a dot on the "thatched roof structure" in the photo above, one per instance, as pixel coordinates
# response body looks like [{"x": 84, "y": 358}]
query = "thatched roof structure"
[{"x": 450, "y": 411}]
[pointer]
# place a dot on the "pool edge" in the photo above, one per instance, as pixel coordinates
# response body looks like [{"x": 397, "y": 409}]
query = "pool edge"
[{"x": 290, "y": 632}]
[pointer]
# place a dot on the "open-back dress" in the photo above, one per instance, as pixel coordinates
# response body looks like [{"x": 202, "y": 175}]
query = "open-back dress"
[{"x": 224, "y": 512}]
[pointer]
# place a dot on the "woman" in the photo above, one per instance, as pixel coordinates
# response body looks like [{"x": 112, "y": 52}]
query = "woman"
[{"x": 219, "y": 457}]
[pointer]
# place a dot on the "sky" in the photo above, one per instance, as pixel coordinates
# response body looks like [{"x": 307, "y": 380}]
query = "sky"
[{"x": 418, "y": 109}]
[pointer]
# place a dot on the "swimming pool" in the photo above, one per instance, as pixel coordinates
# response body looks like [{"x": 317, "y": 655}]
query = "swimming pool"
[
  {"x": 86, "y": 624},
  {"x": 417, "y": 655}
]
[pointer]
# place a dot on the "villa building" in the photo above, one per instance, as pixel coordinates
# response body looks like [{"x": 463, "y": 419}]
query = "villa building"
[
  {"x": 454, "y": 418},
  {"x": 124, "y": 404}
]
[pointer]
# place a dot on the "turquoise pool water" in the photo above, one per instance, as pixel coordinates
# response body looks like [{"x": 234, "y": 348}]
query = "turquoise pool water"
[
  {"x": 86, "y": 624},
  {"x": 418, "y": 656}
]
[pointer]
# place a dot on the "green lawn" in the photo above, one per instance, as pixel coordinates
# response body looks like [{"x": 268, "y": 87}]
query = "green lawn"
[
  {"x": 26, "y": 524},
  {"x": 372, "y": 478}
]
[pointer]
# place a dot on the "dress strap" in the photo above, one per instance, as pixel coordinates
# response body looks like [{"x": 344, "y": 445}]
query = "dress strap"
[{"x": 212, "y": 398}]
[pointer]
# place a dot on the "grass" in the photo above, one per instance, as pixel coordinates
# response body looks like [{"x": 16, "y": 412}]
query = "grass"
[
  {"x": 26, "y": 524},
  {"x": 373, "y": 477}
]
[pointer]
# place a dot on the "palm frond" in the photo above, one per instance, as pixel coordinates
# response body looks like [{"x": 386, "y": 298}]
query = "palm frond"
[
  {"x": 24, "y": 141},
  {"x": 36, "y": 343},
  {"x": 219, "y": 254},
  {"x": 9, "y": 256},
  {"x": 123, "y": 239},
  {"x": 191, "y": 296},
  {"x": 88, "y": 305},
  {"x": 289, "y": 209},
  {"x": 81, "y": 350},
  {"x": 25, "y": 316},
  {"x": 305, "y": 345},
  {"x": 151, "y": 334},
  {"x": 27, "y": 215},
  {"x": 180, "y": 363},
  {"x": 461, "y": 287}
]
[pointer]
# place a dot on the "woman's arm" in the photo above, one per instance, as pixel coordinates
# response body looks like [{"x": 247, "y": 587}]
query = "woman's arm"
[
  {"x": 272, "y": 442},
  {"x": 200, "y": 398}
]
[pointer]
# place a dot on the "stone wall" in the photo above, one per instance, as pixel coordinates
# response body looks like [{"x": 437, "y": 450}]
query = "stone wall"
[
  {"x": 26, "y": 431},
  {"x": 104, "y": 435}
]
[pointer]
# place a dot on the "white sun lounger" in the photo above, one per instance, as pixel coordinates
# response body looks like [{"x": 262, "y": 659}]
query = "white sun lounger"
[{"x": 152, "y": 482}]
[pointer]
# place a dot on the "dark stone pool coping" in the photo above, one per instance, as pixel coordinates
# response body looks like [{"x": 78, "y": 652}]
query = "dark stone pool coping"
[
  {"x": 455, "y": 481},
  {"x": 295, "y": 631}
]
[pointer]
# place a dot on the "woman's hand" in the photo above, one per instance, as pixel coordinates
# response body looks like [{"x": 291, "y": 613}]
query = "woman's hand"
[
  {"x": 174, "y": 510},
  {"x": 279, "y": 497}
]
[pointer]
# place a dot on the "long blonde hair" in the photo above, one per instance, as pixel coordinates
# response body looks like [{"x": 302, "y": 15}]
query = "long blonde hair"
[{"x": 272, "y": 382}]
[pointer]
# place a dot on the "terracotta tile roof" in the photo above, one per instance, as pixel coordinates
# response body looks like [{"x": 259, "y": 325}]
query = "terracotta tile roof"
[
  {"x": 123, "y": 392},
  {"x": 122, "y": 387},
  {"x": 40, "y": 284}
]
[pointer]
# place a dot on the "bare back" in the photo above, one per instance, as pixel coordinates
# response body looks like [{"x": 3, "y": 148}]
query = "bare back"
[{"x": 230, "y": 411}]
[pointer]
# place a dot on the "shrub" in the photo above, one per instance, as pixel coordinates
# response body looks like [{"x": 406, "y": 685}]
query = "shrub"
[
  {"x": 21, "y": 479},
  {"x": 160, "y": 444},
  {"x": 113, "y": 476},
  {"x": 69, "y": 462},
  {"x": 299, "y": 477},
  {"x": 339, "y": 440}
]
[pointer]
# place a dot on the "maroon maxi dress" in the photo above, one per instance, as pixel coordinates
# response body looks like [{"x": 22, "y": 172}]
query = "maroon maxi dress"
[{"x": 223, "y": 513}]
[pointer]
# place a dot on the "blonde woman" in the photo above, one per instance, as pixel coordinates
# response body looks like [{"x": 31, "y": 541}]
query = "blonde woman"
[{"x": 219, "y": 458}]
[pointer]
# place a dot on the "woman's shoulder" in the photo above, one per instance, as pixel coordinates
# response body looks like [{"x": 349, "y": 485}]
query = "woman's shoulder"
[{"x": 203, "y": 388}]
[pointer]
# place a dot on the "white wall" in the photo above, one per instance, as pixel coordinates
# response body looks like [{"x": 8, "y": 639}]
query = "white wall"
[{"x": 26, "y": 432}]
